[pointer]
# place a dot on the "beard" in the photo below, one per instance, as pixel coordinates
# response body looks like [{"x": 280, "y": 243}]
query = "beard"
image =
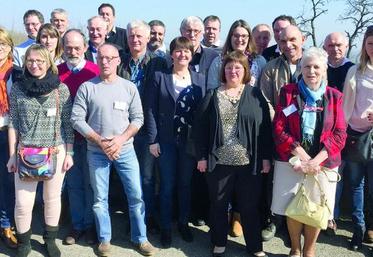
[{"x": 73, "y": 60}]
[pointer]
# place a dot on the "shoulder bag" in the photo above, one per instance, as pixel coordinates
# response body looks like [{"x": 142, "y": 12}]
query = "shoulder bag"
[{"x": 358, "y": 147}]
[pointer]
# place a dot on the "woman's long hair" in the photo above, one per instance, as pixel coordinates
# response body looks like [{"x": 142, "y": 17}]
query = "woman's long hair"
[
  {"x": 44, "y": 53},
  {"x": 364, "y": 58},
  {"x": 52, "y": 31}
]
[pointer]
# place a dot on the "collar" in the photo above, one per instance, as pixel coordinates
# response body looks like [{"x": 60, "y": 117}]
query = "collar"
[
  {"x": 78, "y": 67},
  {"x": 91, "y": 47},
  {"x": 345, "y": 60},
  {"x": 216, "y": 44},
  {"x": 277, "y": 50},
  {"x": 135, "y": 63},
  {"x": 199, "y": 50}
]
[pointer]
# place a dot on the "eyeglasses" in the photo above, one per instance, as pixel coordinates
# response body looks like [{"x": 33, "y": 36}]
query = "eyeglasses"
[
  {"x": 233, "y": 68},
  {"x": 192, "y": 31},
  {"x": 38, "y": 62},
  {"x": 108, "y": 59},
  {"x": 243, "y": 36},
  {"x": 33, "y": 24}
]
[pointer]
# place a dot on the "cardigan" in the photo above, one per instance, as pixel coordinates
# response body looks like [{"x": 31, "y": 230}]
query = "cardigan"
[
  {"x": 253, "y": 128},
  {"x": 287, "y": 129}
]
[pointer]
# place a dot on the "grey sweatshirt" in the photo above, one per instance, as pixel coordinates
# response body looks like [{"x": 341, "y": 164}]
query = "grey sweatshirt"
[{"x": 107, "y": 109}]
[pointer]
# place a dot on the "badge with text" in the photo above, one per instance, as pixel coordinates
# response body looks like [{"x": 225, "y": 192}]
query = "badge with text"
[
  {"x": 289, "y": 110},
  {"x": 51, "y": 112},
  {"x": 118, "y": 105}
]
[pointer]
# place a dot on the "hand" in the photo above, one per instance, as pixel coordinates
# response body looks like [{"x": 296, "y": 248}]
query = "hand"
[
  {"x": 202, "y": 165},
  {"x": 312, "y": 167},
  {"x": 300, "y": 167},
  {"x": 155, "y": 150},
  {"x": 113, "y": 146},
  {"x": 12, "y": 164},
  {"x": 67, "y": 163},
  {"x": 370, "y": 116},
  {"x": 266, "y": 166}
]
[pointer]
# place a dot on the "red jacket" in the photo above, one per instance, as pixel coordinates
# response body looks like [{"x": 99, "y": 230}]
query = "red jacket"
[{"x": 287, "y": 130}]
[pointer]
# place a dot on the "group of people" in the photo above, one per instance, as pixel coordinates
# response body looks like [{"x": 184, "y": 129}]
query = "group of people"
[{"x": 214, "y": 123}]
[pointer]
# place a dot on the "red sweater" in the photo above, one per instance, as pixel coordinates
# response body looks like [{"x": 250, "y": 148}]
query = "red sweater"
[{"x": 287, "y": 130}]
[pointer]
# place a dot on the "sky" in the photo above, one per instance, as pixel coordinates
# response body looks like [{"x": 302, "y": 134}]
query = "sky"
[{"x": 171, "y": 12}]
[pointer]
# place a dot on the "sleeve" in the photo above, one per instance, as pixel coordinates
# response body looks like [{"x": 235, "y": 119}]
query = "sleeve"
[
  {"x": 267, "y": 86},
  {"x": 67, "y": 132},
  {"x": 80, "y": 111},
  {"x": 349, "y": 93},
  {"x": 283, "y": 140},
  {"x": 13, "y": 107},
  {"x": 151, "y": 109},
  {"x": 214, "y": 74},
  {"x": 17, "y": 57},
  {"x": 135, "y": 112}
]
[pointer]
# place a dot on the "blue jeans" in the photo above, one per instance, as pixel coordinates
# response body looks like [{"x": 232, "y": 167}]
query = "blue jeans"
[
  {"x": 147, "y": 163},
  {"x": 79, "y": 189},
  {"x": 176, "y": 168},
  {"x": 356, "y": 176},
  {"x": 7, "y": 196},
  {"x": 127, "y": 168},
  {"x": 338, "y": 193}
]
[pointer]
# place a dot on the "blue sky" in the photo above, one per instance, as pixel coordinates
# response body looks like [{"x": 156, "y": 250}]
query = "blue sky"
[{"x": 172, "y": 12}]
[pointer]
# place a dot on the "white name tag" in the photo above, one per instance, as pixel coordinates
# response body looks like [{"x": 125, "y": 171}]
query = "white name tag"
[
  {"x": 120, "y": 105},
  {"x": 51, "y": 112},
  {"x": 289, "y": 110}
]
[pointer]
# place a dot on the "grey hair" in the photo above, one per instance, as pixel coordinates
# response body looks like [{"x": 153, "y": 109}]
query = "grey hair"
[
  {"x": 99, "y": 18},
  {"x": 138, "y": 24},
  {"x": 192, "y": 20},
  {"x": 60, "y": 11},
  {"x": 317, "y": 53},
  {"x": 343, "y": 35},
  {"x": 262, "y": 25}
]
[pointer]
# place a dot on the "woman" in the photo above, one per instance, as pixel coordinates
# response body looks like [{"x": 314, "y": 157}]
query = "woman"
[
  {"x": 234, "y": 145},
  {"x": 358, "y": 108},
  {"x": 171, "y": 101},
  {"x": 8, "y": 74},
  {"x": 49, "y": 37},
  {"x": 308, "y": 124},
  {"x": 239, "y": 38},
  {"x": 33, "y": 120}
]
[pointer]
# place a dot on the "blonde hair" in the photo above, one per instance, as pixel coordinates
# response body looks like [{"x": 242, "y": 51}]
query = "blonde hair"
[
  {"x": 44, "y": 53},
  {"x": 52, "y": 31},
  {"x": 5, "y": 38},
  {"x": 364, "y": 58}
]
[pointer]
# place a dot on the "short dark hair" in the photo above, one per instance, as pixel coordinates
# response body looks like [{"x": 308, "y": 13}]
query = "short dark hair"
[
  {"x": 284, "y": 17},
  {"x": 236, "y": 56},
  {"x": 156, "y": 23},
  {"x": 212, "y": 18},
  {"x": 106, "y": 5},
  {"x": 181, "y": 43},
  {"x": 34, "y": 13}
]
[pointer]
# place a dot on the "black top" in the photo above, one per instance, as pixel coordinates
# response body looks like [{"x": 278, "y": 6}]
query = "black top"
[
  {"x": 118, "y": 38},
  {"x": 254, "y": 131},
  {"x": 270, "y": 53},
  {"x": 337, "y": 76}
]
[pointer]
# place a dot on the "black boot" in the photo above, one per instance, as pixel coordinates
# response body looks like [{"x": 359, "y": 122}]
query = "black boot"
[
  {"x": 49, "y": 237},
  {"x": 24, "y": 246}
]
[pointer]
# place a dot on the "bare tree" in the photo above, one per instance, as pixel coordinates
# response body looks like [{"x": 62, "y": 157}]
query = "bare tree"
[
  {"x": 307, "y": 23},
  {"x": 359, "y": 13}
]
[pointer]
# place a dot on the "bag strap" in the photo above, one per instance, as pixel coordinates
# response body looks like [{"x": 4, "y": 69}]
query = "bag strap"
[{"x": 325, "y": 171}]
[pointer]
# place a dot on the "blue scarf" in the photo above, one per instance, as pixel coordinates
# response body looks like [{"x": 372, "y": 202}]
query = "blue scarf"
[{"x": 310, "y": 108}]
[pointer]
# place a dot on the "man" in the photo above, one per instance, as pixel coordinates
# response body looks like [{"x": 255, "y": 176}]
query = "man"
[
  {"x": 278, "y": 24},
  {"x": 115, "y": 35},
  {"x": 73, "y": 73},
  {"x": 192, "y": 28},
  {"x": 211, "y": 37},
  {"x": 108, "y": 113},
  {"x": 97, "y": 30},
  {"x": 336, "y": 45},
  {"x": 59, "y": 18},
  {"x": 282, "y": 70},
  {"x": 262, "y": 36},
  {"x": 32, "y": 20},
  {"x": 157, "y": 33},
  {"x": 139, "y": 66}
]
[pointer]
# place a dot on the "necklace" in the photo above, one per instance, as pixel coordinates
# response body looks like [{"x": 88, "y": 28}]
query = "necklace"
[
  {"x": 182, "y": 76},
  {"x": 233, "y": 98}
]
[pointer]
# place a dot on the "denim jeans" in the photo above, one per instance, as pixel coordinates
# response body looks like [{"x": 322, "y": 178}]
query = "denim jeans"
[
  {"x": 127, "y": 168},
  {"x": 176, "y": 168},
  {"x": 356, "y": 175},
  {"x": 7, "y": 196},
  {"x": 339, "y": 190},
  {"x": 147, "y": 163},
  {"x": 79, "y": 189}
]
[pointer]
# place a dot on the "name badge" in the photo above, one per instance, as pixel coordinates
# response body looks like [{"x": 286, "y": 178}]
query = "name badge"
[
  {"x": 120, "y": 105},
  {"x": 289, "y": 110},
  {"x": 51, "y": 112}
]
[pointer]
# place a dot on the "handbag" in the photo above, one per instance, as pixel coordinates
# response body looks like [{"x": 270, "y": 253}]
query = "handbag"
[
  {"x": 358, "y": 147},
  {"x": 38, "y": 163},
  {"x": 305, "y": 211}
]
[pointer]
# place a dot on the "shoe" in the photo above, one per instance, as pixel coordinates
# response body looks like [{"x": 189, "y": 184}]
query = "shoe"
[
  {"x": 198, "y": 222},
  {"x": 357, "y": 240},
  {"x": 215, "y": 253},
  {"x": 91, "y": 236},
  {"x": 166, "y": 238},
  {"x": 152, "y": 226},
  {"x": 73, "y": 237},
  {"x": 369, "y": 236},
  {"x": 259, "y": 254},
  {"x": 49, "y": 237},
  {"x": 331, "y": 230},
  {"x": 236, "y": 228},
  {"x": 146, "y": 248},
  {"x": 8, "y": 237},
  {"x": 24, "y": 245},
  {"x": 269, "y": 232},
  {"x": 185, "y": 232},
  {"x": 104, "y": 249}
]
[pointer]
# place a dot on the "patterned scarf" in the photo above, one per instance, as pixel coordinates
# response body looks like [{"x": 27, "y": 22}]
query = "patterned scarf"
[
  {"x": 310, "y": 109},
  {"x": 5, "y": 72}
]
